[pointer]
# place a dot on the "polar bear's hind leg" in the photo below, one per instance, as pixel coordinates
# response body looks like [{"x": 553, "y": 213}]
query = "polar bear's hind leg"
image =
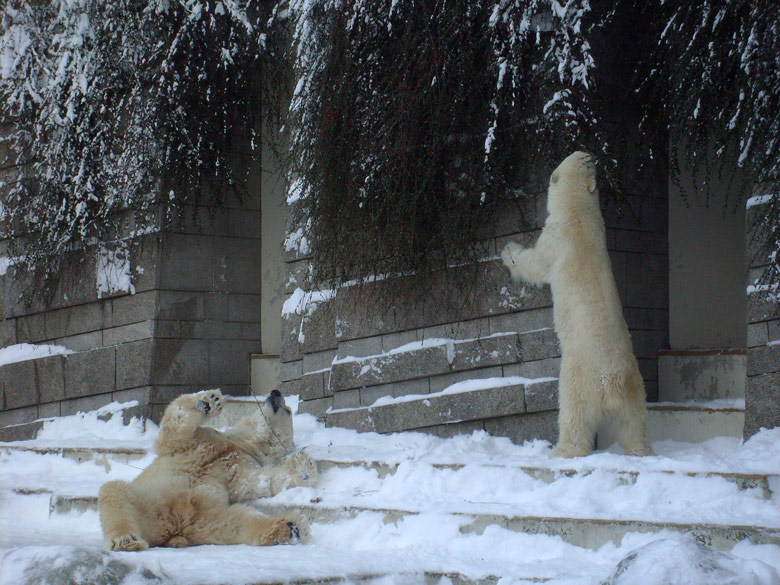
[
  {"x": 579, "y": 414},
  {"x": 241, "y": 524},
  {"x": 118, "y": 519},
  {"x": 632, "y": 428}
]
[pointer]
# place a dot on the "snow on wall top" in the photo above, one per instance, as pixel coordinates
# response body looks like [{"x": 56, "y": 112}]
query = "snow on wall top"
[{"x": 22, "y": 352}]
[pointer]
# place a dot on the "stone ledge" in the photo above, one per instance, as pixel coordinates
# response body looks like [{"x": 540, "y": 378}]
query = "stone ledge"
[
  {"x": 314, "y": 386},
  {"x": 444, "y": 409},
  {"x": 584, "y": 532},
  {"x": 448, "y": 356},
  {"x": 495, "y": 294},
  {"x": 701, "y": 375},
  {"x": 20, "y": 431}
]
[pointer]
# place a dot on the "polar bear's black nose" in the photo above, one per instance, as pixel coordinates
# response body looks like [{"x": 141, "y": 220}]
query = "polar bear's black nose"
[{"x": 275, "y": 400}]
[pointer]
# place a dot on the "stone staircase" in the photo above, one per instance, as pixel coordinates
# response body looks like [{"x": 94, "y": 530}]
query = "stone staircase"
[
  {"x": 588, "y": 531},
  {"x": 475, "y": 517}
]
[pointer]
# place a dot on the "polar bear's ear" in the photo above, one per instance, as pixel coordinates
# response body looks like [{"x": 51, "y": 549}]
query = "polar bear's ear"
[
  {"x": 554, "y": 177},
  {"x": 591, "y": 184}
]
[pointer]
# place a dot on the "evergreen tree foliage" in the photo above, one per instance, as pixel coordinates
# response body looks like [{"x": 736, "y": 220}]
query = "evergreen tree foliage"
[
  {"x": 411, "y": 124},
  {"x": 711, "y": 82},
  {"x": 115, "y": 106},
  {"x": 414, "y": 119}
]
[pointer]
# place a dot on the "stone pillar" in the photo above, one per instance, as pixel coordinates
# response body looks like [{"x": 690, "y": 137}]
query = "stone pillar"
[{"x": 762, "y": 390}]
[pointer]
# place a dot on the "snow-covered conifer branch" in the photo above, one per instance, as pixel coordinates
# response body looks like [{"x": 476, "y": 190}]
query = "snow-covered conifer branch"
[{"x": 108, "y": 104}]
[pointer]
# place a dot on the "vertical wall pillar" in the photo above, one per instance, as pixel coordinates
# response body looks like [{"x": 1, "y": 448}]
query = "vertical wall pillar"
[{"x": 762, "y": 391}]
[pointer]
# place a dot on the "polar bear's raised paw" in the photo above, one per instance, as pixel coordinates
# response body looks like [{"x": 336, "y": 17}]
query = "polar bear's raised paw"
[
  {"x": 295, "y": 533},
  {"x": 210, "y": 402},
  {"x": 299, "y": 531}
]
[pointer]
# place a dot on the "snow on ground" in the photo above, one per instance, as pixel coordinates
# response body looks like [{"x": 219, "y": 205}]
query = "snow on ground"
[{"x": 483, "y": 475}]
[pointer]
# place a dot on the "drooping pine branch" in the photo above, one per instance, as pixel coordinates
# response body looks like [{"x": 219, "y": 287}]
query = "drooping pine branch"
[
  {"x": 711, "y": 82},
  {"x": 413, "y": 120},
  {"x": 113, "y": 107}
]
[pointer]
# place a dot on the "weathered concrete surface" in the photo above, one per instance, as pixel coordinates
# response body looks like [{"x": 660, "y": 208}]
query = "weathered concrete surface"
[
  {"x": 762, "y": 389},
  {"x": 685, "y": 423},
  {"x": 701, "y": 375}
]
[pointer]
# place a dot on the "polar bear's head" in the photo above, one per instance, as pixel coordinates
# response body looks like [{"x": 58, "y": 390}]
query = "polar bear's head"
[
  {"x": 276, "y": 425},
  {"x": 267, "y": 432},
  {"x": 575, "y": 178}
]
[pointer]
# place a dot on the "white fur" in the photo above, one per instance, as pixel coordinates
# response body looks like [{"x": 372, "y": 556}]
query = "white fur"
[
  {"x": 599, "y": 374},
  {"x": 192, "y": 492}
]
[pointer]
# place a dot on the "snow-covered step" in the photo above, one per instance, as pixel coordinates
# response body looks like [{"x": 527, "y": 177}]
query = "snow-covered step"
[
  {"x": 329, "y": 507},
  {"x": 420, "y": 578},
  {"x": 743, "y": 481},
  {"x": 584, "y": 532},
  {"x": 241, "y": 565},
  {"x": 590, "y": 533},
  {"x": 103, "y": 456},
  {"x": 688, "y": 422},
  {"x": 63, "y": 503}
]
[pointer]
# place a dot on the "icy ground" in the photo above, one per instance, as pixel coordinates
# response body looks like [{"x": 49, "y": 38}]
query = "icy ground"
[{"x": 487, "y": 479}]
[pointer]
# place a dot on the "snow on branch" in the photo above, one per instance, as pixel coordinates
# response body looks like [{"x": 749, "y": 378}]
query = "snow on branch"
[
  {"x": 412, "y": 122},
  {"x": 108, "y": 104}
]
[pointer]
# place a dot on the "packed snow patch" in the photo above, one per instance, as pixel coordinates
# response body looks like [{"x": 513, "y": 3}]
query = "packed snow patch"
[
  {"x": 95, "y": 428},
  {"x": 759, "y": 200},
  {"x": 5, "y": 264},
  {"x": 683, "y": 561},
  {"x": 22, "y": 352},
  {"x": 113, "y": 271}
]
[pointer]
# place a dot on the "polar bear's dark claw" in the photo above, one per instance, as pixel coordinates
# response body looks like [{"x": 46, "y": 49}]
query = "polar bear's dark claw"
[{"x": 295, "y": 533}]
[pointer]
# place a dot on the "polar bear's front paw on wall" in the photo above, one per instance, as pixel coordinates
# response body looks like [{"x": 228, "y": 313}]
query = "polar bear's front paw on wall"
[
  {"x": 510, "y": 253},
  {"x": 209, "y": 402}
]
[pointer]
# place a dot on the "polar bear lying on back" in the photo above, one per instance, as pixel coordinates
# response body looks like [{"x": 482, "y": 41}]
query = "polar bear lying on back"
[
  {"x": 191, "y": 493},
  {"x": 599, "y": 374}
]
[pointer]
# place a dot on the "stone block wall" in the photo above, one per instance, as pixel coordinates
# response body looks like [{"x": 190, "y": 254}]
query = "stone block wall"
[
  {"x": 762, "y": 389},
  {"x": 108, "y": 338},
  {"x": 191, "y": 322},
  {"x": 342, "y": 352},
  {"x": 208, "y": 304}
]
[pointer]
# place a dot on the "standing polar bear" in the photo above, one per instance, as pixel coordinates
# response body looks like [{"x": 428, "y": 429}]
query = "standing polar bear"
[
  {"x": 192, "y": 492},
  {"x": 599, "y": 374}
]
